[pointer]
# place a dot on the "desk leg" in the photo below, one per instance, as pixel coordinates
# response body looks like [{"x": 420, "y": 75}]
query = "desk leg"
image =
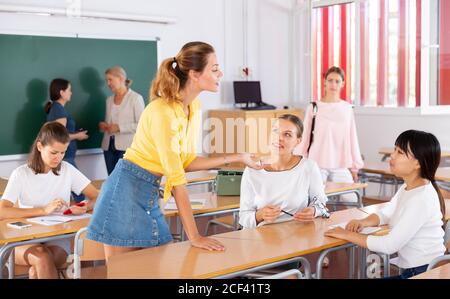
[
  {"x": 363, "y": 263},
  {"x": 386, "y": 266},
  {"x": 324, "y": 253},
  {"x": 11, "y": 264},
  {"x": 351, "y": 266}
]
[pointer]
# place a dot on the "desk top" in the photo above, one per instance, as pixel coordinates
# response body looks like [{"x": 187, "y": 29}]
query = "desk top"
[
  {"x": 390, "y": 150},
  {"x": 442, "y": 173},
  {"x": 244, "y": 249},
  {"x": 9, "y": 235},
  {"x": 442, "y": 272}
]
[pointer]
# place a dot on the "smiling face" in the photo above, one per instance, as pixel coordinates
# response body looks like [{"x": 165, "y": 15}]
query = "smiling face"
[
  {"x": 333, "y": 84},
  {"x": 52, "y": 154},
  {"x": 403, "y": 164},
  {"x": 284, "y": 137},
  {"x": 209, "y": 78}
]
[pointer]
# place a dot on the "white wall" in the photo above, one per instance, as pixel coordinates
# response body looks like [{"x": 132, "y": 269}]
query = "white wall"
[{"x": 218, "y": 22}]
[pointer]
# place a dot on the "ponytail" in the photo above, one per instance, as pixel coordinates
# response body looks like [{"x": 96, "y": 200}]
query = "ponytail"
[
  {"x": 167, "y": 84},
  {"x": 441, "y": 200},
  {"x": 56, "y": 86},
  {"x": 128, "y": 82},
  {"x": 173, "y": 72},
  {"x": 48, "y": 106}
]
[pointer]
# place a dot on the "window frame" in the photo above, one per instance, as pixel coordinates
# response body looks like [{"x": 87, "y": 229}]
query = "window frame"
[{"x": 425, "y": 108}]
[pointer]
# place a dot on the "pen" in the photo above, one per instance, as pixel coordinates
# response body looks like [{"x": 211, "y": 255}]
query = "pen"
[
  {"x": 287, "y": 213},
  {"x": 363, "y": 211}
]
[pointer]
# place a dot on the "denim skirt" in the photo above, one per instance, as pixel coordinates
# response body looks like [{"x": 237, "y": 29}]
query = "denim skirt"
[{"x": 127, "y": 212}]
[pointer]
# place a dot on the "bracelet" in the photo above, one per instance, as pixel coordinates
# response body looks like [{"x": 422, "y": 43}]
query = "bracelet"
[{"x": 226, "y": 162}]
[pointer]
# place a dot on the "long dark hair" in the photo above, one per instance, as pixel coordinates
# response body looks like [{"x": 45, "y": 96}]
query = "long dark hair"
[
  {"x": 50, "y": 132},
  {"x": 426, "y": 149},
  {"x": 173, "y": 73},
  {"x": 56, "y": 86}
]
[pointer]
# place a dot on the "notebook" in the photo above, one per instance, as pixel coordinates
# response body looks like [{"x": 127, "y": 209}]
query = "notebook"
[
  {"x": 54, "y": 219},
  {"x": 364, "y": 231}
]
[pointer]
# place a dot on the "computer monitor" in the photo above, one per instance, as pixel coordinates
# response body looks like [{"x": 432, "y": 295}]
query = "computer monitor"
[{"x": 247, "y": 92}]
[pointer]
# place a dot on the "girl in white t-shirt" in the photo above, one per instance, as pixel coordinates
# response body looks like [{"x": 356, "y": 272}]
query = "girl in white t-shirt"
[
  {"x": 416, "y": 212},
  {"x": 41, "y": 187},
  {"x": 289, "y": 186}
]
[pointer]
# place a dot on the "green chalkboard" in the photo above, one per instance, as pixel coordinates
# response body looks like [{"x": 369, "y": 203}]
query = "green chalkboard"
[{"x": 29, "y": 63}]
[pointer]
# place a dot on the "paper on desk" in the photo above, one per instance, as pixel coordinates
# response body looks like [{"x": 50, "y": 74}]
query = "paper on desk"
[
  {"x": 364, "y": 231},
  {"x": 196, "y": 204},
  {"x": 56, "y": 219}
]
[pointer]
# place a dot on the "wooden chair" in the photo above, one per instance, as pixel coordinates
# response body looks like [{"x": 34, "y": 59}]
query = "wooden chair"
[{"x": 87, "y": 251}]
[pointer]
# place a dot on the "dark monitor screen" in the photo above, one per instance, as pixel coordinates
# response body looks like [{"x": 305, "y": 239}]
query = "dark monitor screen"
[{"x": 247, "y": 92}]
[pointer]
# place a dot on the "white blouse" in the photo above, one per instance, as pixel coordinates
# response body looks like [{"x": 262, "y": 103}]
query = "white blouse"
[
  {"x": 126, "y": 115},
  {"x": 415, "y": 220},
  {"x": 292, "y": 190}
]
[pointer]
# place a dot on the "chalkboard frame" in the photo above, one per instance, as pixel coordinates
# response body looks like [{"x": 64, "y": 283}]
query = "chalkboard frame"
[{"x": 95, "y": 149}]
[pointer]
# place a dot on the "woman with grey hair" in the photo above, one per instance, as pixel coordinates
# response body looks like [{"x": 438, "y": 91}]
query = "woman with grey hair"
[{"x": 123, "y": 110}]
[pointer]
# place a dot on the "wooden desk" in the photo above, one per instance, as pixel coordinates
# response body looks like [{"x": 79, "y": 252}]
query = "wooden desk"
[
  {"x": 3, "y": 183},
  {"x": 11, "y": 237},
  {"x": 245, "y": 250},
  {"x": 442, "y": 272},
  {"x": 240, "y": 131},
  {"x": 443, "y": 174}
]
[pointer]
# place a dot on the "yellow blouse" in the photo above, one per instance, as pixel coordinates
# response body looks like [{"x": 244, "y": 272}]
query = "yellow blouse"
[{"x": 165, "y": 140}]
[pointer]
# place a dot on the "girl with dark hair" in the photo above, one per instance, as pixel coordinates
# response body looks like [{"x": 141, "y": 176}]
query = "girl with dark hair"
[
  {"x": 416, "y": 212},
  {"x": 60, "y": 95},
  {"x": 128, "y": 216},
  {"x": 43, "y": 187}
]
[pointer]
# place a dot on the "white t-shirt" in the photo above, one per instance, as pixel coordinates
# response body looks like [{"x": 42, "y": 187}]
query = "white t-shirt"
[
  {"x": 415, "y": 220},
  {"x": 291, "y": 190},
  {"x": 38, "y": 190}
]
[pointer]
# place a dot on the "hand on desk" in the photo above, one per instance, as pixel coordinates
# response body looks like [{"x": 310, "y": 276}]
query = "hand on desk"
[
  {"x": 307, "y": 214},
  {"x": 338, "y": 233},
  {"x": 207, "y": 243},
  {"x": 55, "y": 205},
  {"x": 354, "y": 226}
]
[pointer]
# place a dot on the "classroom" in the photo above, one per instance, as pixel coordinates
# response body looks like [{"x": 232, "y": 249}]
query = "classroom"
[{"x": 215, "y": 139}]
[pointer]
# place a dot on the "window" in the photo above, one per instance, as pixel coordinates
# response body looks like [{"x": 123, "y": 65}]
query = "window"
[
  {"x": 396, "y": 53},
  {"x": 333, "y": 44}
]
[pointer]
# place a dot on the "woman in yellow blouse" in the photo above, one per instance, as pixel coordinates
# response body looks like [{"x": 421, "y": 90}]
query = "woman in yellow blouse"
[{"x": 127, "y": 215}]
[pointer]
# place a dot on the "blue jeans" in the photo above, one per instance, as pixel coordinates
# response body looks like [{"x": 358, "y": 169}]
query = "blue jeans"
[
  {"x": 408, "y": 273},
  {"x": 112, "y": 155},
  {"x": 76, "y": 198}
]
